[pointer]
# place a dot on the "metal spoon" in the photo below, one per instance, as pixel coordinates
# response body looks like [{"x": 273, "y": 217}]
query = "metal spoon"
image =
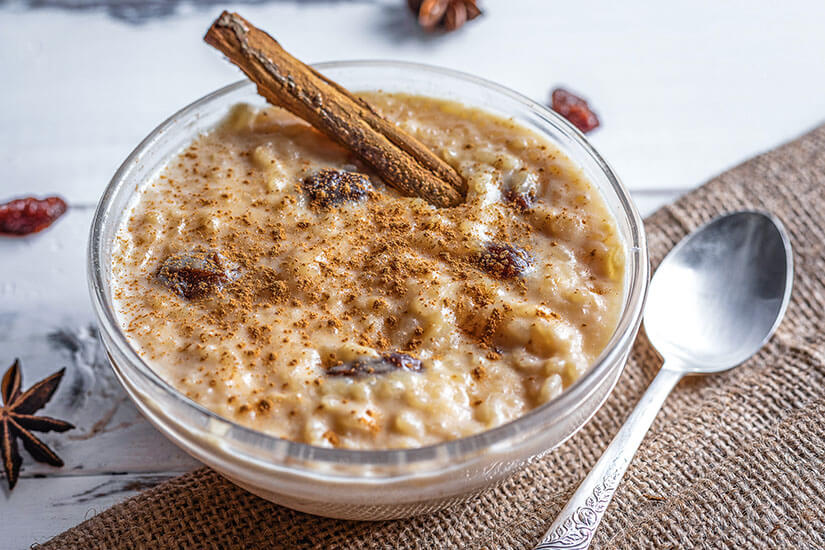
[{"x": 715, "y": 300}]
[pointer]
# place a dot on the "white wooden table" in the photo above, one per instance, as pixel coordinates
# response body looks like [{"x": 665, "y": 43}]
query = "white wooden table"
[{"x": 684, "y": 91}]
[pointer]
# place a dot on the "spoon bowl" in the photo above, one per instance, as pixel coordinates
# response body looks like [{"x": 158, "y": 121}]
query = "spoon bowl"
[{"x": 719, "y": 295}]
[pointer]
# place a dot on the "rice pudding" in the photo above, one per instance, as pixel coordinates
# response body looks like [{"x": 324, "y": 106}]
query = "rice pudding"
[{"x": 270, "y": 277}]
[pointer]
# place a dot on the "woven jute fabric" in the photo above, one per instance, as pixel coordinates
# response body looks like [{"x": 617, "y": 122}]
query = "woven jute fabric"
[{"x": 734, "y": 460}]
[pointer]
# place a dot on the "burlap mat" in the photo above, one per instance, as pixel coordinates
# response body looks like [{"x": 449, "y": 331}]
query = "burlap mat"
[{"x": 733, "y": 460}]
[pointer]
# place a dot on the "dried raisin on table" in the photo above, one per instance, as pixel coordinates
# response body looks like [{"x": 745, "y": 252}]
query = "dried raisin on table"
[
  {"x": 574, "y": 109},
  {"x": 30, "y": 215},
  {"x": 195, "y": 274},
  {"x": 388, "y": 362},
  {"x": 334, "y": 187},
  {"x": 504, "y": 261}
]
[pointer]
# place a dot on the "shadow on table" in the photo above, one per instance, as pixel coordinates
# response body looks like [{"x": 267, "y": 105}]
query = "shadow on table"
[{"x": 142, "y": 11}]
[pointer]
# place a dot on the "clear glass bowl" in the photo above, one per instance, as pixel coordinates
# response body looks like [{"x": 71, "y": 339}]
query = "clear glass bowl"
[{"x": 366, "y": 485}]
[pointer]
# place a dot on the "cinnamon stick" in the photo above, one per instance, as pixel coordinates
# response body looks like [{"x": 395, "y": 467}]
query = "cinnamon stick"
[{"x": 398, "y": 158}]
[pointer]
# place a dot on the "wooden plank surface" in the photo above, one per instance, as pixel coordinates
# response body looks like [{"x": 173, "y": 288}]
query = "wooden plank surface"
[
  {"x": 684, "y": 91},
  {"x": 47, "y": 506}
]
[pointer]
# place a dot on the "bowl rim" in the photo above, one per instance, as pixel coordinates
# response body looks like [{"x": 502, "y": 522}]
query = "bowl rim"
[{"x": 626, "y": 328}]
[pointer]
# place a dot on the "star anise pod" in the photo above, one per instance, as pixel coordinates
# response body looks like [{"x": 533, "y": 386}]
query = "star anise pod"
[
  {"x": 445, "y": 14},
  {"x": 17, "y": 420}
]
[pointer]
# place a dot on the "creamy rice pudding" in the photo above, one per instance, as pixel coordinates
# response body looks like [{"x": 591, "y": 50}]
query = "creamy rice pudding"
[{"x": 269, "y": 276}]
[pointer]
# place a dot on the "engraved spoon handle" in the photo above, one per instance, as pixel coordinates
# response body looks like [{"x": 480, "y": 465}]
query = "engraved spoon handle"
[{"x": 577, "y": 522}]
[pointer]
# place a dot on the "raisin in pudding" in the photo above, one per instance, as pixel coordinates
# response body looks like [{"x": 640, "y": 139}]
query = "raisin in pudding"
[{"x": 270, "y": 277}]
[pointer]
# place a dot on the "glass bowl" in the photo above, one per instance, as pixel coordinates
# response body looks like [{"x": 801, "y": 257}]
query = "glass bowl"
[{"x": 341, "y": 483}]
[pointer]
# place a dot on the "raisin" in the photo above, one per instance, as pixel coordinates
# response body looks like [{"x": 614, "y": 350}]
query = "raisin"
[
  {"x": 522, "y": 201},
  {"x": 504, "y": 261},
  {"x": 388, "y": 362},
  {"x": 30, "y": 215},
  {"x": 194, "y": 274},
  {"x": 575, "y": 109},
  {"x": 333, "y": 187},
  {"x": 521, "y": 190}
]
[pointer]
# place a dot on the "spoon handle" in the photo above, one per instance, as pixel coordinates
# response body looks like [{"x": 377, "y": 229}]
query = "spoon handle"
[{"x": 577, "y": 522}]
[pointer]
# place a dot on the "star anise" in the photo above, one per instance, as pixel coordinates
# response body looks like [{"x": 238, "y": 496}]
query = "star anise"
[
  {"x": 445, "y": 14},
  {"x": 17, "y": 420}
]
